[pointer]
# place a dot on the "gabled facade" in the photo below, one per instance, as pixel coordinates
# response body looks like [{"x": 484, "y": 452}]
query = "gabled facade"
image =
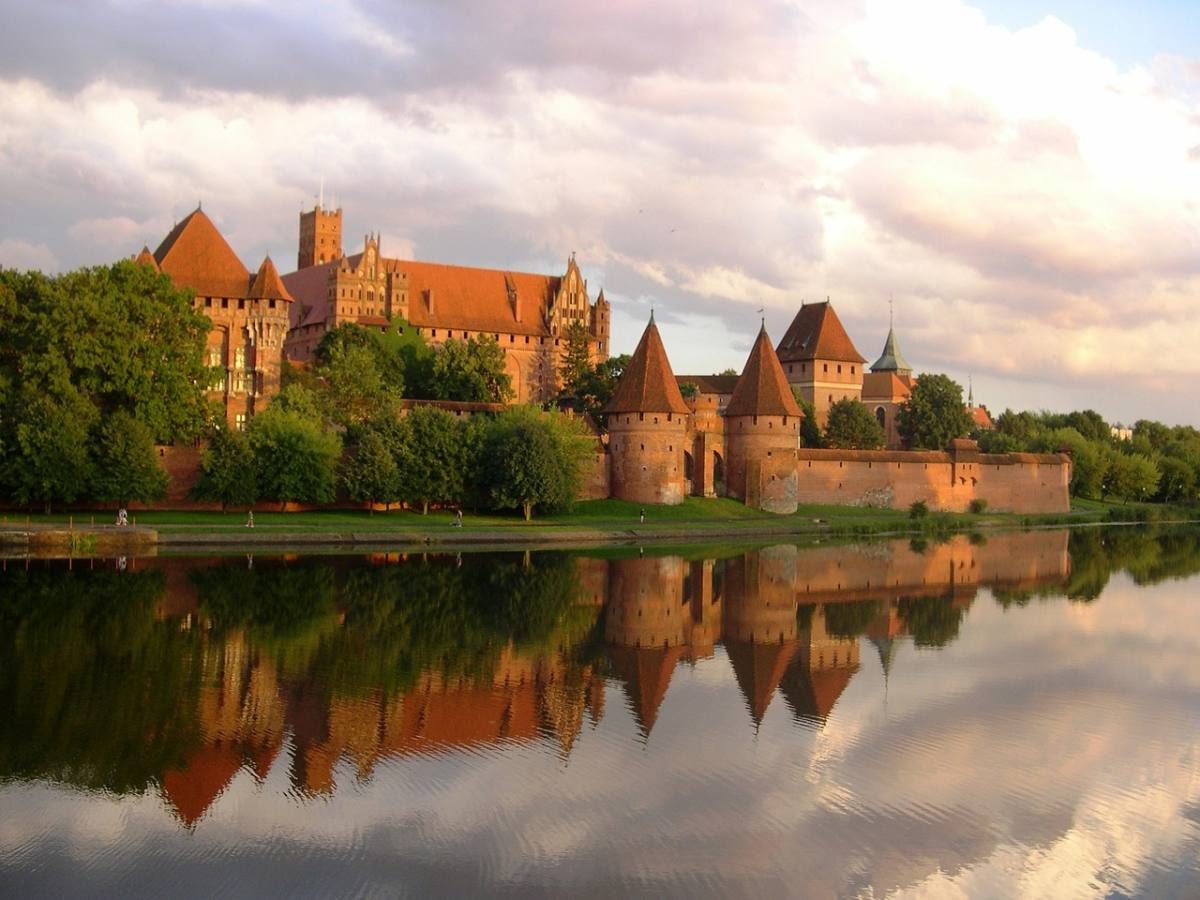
[
  {"x": 527, "y": 314},
  {"x": 249, "y": 313}
]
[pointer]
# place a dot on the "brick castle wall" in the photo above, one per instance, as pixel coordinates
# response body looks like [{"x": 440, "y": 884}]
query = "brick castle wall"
[{"x": 1015, "y": 482}]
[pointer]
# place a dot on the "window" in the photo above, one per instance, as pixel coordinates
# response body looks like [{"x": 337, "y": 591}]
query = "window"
[
  {"x": 824, "y": 367},
  {"x": 214, "y": 356},
  {"x": 852, "y": 370},
  {"x": 224, "y": 303},
  {"x": 881, "y": 416},
  {"x": 240, "y": 422},
  {"x": 839, "y": 370},
  {"x": 239, "y": 358}
]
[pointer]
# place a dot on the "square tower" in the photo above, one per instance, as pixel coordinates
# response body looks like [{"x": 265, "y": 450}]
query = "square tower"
[{"x": 320, "y": 237}]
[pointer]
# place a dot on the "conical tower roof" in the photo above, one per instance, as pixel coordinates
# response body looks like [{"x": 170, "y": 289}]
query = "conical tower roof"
[
  {"x": 196, "y": 256},
  {"x": 763, "y": 389},
  {"x": 891, "y": 360},
  {"x": 267, "y": 284},
  {"x": 648, "y": 384},
  {"x": 146, "y": 258}
]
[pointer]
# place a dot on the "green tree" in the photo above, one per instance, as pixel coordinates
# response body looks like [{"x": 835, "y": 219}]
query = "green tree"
[
  {"x": 227, "y": 470},
  {"x": 1088, "y": 461},
  {"x": 810, "y": 431},
  {"x": 126, "y": 466},
  {"x": 934, "y": 414},
  {"x": 852, "y": 427},
  {"x": 356, "y": 389},
  {"x": 371, "y": 475},
  {"x": 432, "y": 469},
  {"x": 598, "y": 384},
  {"x": 470, "y": 371},
  {"x": 534, "y": 460},
  {"x": 295, "y": 458},
  {"x": 1178, "y": 481},
  {"x": 125, "y": 337},
  {"x": 47, "y": 459},
  {"x": 1131, "y": 477},
  {"x": 576, "y": 359},
  {"x": 689, "y": 390}
]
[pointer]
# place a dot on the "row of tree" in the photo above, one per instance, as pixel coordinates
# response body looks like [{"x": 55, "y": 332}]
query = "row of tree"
[
  {"x": 1158, "y": 463},
  {"x": 96, "y": 366},
  {"x": 521, "y": 458}
]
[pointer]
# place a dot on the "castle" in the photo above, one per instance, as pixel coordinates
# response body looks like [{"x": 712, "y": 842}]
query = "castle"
[
  {"x": 249, "y": 313},
  {"x": 527, "y": 314},
  {"x": 740, "y": 437},
  {"x": 736, "y": 437}
]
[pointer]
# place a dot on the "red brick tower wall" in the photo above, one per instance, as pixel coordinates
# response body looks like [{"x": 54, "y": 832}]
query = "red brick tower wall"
[
  {"x": 646, "y": 457},
  {"x": 320, "y": 237},
  {"x": 760, "y": 466}
]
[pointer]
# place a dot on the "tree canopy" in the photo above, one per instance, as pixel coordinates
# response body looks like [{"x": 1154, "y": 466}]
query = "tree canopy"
[
  {"x": 934, "y": 414},
  {"x": 852, "y": 427}
]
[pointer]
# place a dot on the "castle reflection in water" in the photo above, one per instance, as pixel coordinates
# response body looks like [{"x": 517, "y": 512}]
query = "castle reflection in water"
[{"x": 209, "y": 667}]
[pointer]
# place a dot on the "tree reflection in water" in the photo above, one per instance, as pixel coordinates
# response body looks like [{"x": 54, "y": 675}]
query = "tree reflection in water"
[{"x": 177, "y": 674}]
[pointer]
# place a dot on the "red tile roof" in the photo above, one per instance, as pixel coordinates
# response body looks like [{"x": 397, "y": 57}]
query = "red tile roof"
[
  {"x": 476, "y": 299},
  {"x": 709, "y": 384},
  {"x": 267, "y": 284},
  {"x": 196, "y": 256},
  {"x": 648, "y": 384},
  {"x": 817, "y": 333},
  {"x": 310, "y": 289},
  {"x": 886, "y": 386},
  {"x": 980, "y": 417},
  {"x": 763, "y": 389},
  {"x": 146, "y": 258}
]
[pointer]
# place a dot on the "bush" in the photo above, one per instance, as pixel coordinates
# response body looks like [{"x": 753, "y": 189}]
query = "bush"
[
  {"x": 919, "y": 510},
  {"x": 978, "y": 506}
]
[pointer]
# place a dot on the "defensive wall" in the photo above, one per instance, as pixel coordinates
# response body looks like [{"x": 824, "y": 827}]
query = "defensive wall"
[{"x": 949, "y": 480}]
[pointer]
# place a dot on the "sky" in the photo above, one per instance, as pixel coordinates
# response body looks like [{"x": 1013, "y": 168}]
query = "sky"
[{"x": 1020, "y": 180}]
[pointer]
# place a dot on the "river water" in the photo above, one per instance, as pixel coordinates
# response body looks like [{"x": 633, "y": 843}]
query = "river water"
[{"x": 1009, "y": 716}]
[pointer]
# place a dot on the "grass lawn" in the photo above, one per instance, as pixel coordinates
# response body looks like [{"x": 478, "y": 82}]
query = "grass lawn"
[{"x": 695, "y": 515}]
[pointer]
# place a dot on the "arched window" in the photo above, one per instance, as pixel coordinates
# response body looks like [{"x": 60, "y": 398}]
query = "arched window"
[{"x": 881, "y": 416}]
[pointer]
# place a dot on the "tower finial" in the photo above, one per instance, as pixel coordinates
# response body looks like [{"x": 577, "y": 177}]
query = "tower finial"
[
  {"x": 891, "y": 311},
  {"x": 970, "y": 392},
  {"x": 321, "y": 195},
  {"x": 762, "y": 312}
]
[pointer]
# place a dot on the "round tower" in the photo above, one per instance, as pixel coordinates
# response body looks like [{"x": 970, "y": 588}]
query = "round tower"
[
  {"x": 647, "y": 427},
  {"x": 762, "y": 432}
]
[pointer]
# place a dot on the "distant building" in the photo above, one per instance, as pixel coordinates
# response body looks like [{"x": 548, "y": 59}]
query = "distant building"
[
  {"x": 527, "y": 314},
  {"x": 249, "y": 313},
  {"x": 887, "y": 387},
  {"x": 818, "y": 357},
  {"x": 1121, "y": 432}
]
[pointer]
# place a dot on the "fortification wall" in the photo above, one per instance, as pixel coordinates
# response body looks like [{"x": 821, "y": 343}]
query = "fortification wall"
[{"x": 1029, "y": 483}]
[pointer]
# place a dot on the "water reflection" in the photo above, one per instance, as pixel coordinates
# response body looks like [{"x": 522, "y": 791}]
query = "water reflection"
[{"x": 172, "y": 676}]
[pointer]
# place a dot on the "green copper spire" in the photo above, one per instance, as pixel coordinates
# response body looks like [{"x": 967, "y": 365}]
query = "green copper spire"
[{"x": 891, "y": 361}]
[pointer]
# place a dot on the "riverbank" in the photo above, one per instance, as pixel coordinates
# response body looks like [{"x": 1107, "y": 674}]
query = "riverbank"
[{"x": 588, "y": 524}]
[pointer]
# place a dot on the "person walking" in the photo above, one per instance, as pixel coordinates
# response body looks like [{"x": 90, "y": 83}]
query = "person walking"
[
  {"x": 642, "y": 515},
  {"x": 458, "y": 518},
  {"x": 249, "y": 518}
]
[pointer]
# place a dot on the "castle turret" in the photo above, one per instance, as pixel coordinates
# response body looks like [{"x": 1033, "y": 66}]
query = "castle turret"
[
  {"x": 762, "y": 432},
  {"x": 647, "y": 421}
]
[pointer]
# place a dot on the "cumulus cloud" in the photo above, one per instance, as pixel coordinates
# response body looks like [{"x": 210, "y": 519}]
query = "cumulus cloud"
[{"x": 1032, "y": 207}]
